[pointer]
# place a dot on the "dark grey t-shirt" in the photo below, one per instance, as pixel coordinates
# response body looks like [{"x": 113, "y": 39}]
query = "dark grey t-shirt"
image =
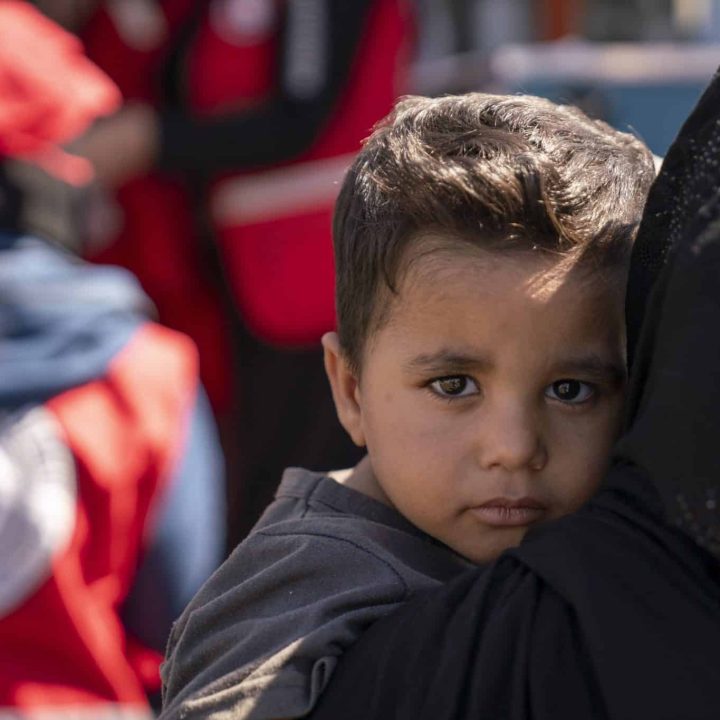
[{"x": 263, "y": 635}]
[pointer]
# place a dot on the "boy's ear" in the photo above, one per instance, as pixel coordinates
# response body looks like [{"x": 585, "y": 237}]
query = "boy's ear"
[{"x": 344, "y": 386}]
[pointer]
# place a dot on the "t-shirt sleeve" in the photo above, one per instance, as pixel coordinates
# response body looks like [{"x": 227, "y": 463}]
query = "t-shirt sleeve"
[{"x": 263, "y": 635}]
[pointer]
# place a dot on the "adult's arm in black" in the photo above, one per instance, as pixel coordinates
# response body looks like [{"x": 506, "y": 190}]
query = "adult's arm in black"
[
  {"x": 614, "y": 611},
  {"x": 606, "y": 614},
  {"x": 319, "y": 43}
]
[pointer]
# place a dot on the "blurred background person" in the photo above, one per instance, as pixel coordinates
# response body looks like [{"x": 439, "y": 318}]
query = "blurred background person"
[
  {"x": 111, "y": 499},
  {"x": 638, "y": 64},
  {"x": 240, "y": 118}
]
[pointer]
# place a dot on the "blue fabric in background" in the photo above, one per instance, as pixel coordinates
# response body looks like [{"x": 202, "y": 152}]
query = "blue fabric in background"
[
  {"x": 61, "y": 320},
  {"x": 654, "y": 112}
]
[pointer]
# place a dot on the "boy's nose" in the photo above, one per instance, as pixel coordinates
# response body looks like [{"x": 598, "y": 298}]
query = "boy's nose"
[{"x": 511, "y": 439}]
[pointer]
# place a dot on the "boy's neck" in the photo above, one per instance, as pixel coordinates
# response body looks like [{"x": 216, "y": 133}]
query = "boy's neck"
[{"x": 362, "y": 479}]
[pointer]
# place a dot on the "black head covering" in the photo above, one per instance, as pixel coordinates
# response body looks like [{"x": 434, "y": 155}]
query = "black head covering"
[
  {"x": 687, "y": 179},
  {"x": 673, "y": 422}
]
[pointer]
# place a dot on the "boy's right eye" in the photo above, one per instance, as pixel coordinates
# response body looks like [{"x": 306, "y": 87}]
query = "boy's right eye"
[{"x": 454, "y": 386}]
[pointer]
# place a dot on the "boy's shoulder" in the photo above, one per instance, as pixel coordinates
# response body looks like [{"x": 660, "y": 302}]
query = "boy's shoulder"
[
  {"x": 322, "y": 564},
  {"x": 315, "y": 511}
]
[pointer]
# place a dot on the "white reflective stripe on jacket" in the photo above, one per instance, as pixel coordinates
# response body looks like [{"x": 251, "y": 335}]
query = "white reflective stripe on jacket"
[{"x": 280, "y": 192}]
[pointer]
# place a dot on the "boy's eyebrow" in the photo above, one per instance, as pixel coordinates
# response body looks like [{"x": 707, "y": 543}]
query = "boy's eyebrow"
[
  {"x": 448, "y": 361},
  {"x": 591, "y": 365},
  {"x": 594, "y": 366}
]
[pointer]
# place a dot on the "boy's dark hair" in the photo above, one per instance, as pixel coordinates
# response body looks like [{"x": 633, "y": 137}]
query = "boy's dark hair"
[{"x": 496, "y": 171}]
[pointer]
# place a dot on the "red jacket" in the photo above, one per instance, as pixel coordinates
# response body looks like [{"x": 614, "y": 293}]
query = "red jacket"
[{"x": 107, "y": 449}]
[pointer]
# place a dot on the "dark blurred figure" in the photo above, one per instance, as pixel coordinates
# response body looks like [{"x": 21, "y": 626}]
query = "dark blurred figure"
[
  {"x": 110, "y": 471},
  {"x": 240, "y": 117}
]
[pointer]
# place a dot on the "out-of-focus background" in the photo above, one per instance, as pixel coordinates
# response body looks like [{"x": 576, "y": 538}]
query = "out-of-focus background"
[
  {"x": 639, "y": 64},
  {"x": 167, "y": 176}
]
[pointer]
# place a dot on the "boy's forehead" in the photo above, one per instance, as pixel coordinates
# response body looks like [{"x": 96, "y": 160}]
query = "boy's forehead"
[
  {"x": 460, "y": 278},
  {"x": 457, "y": 311},
  {"x": 436, "y": 268},
  {"x": 433, "y": 261}
]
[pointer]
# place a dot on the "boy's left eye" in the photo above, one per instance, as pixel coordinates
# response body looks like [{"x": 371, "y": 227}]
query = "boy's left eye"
[{"x": 570, "y": 391}]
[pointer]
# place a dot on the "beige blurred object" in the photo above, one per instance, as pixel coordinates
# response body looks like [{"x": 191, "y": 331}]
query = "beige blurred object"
[
  {"x": 579, "y": 60},
  {"x": 141, "y": 23},
  {"x": 690, "y": 15},
  {"x": 121, "y": 146}
]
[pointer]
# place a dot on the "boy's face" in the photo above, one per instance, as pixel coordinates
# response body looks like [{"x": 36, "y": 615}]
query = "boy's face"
[{"x": 490, "y": 398}]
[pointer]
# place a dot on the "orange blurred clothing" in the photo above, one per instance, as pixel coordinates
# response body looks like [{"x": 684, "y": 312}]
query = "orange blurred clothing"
[{"x": 47, "y": 96}]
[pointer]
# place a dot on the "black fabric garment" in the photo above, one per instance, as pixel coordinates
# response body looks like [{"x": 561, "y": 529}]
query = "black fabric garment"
[
  {"x": 605, "y": 614},
  {"x": 288, "y": 419},
  {"x": 323, "y": 35},
  {"x": 612, "y": 612}
]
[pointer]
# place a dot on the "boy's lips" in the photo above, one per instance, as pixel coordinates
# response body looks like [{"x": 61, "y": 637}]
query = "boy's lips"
[{"x": 504, "y": 512}]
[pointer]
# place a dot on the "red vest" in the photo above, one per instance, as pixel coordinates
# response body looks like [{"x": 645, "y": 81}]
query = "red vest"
[
  {"x": 64, "y": 646},
  {"x": 272, "y": 226}
]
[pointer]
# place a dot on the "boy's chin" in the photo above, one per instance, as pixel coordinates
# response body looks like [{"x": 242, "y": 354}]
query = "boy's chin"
[{"x": 490, "y": 549}]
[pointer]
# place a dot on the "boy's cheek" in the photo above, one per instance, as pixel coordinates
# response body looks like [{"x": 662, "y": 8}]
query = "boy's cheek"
[
  {"x": 415, "y": 430},
  {"x": 408, "y": 435}
]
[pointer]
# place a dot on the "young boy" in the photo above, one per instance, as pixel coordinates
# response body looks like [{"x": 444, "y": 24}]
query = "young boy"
[{"x": 481, "y": 250}]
